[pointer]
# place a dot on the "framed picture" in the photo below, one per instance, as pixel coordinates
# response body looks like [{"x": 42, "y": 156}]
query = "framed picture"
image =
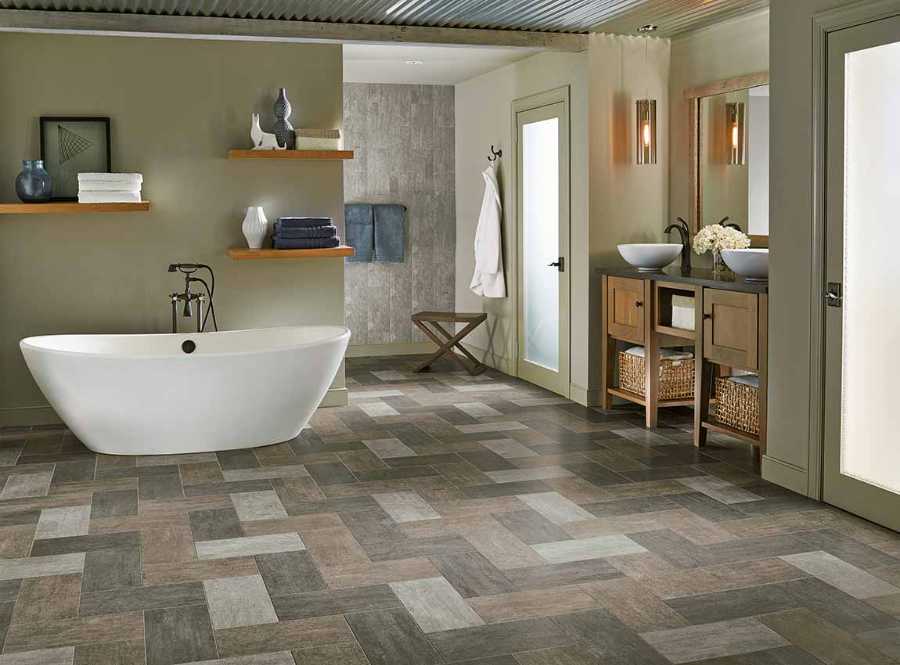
[{"x": 73, "y": 145}]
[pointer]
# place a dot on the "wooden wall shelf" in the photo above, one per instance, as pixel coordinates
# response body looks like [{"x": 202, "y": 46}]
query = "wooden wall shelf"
[
  {"x": 291, "y": 154},
  {"x": 241, "y": 254},
  {"x": 70, "y": 208}
]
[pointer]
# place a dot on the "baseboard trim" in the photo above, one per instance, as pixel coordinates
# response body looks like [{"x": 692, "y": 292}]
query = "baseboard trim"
[
  {"x": 336, "y": 397},
  {"x": 393, "y": 349},
  {"x": 22, "y": 416},
  {"x": 785, "y": 474},
  {"x": 584, "y": 396},
  {"x": 498, "y": 362}
]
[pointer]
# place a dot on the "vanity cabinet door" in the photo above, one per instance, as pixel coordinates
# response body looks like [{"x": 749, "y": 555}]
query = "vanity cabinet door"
[
  {"x": 730, "y": 328},
  {"x": 626, "y": 309}
]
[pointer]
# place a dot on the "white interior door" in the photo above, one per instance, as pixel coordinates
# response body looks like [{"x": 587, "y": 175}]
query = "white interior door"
[
  {"x": 861, "y": 471},
  {"x": 542, "y": 211}
]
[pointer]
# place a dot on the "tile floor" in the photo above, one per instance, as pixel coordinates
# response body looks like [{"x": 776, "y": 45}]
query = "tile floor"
[{"x": 437, "y": 519}]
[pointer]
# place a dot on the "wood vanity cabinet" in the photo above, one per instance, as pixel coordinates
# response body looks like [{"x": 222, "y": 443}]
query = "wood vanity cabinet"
[
  {"x": 625, "y": 309},
  {"x": 730, "y": 328},
  {"x": 730, "y": 332}
]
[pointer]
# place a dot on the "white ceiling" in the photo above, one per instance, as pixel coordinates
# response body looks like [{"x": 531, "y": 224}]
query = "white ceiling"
[{"x": 439, "y": 65}]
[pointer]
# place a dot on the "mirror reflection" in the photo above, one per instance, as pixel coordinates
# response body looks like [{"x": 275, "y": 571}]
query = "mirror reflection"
[{"x": 734, "y": 159}]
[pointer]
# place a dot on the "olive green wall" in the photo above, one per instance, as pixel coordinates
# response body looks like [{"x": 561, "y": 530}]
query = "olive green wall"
[{"x": 176, "y": 106}]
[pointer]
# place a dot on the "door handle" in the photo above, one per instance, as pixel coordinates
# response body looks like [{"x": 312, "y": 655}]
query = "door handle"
[
  {"x": 560, "y": 264},
  {"x": 834, "y": 295}
]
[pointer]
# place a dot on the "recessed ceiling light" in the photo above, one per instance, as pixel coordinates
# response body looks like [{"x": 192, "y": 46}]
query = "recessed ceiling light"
[
  {"x": 649, "y": 27},
  {"x": 414, "y": 62}
]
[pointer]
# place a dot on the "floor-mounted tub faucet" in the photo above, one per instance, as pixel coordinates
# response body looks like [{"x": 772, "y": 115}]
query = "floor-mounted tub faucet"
[
  {"x": 188, "y": 298},
  {"x": 682, "y": 227}
]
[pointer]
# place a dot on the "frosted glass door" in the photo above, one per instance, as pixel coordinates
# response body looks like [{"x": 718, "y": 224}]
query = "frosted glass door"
[
  {"x": 542, "y": 228},
  {"x": 862, "y": 438}
]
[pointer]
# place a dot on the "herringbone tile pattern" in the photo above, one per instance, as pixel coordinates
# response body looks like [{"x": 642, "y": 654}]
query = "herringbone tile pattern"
[{"x": 437, "y": 519}]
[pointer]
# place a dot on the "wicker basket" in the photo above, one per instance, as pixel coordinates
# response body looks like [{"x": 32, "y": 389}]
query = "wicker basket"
[
  {"x": 737, "y": 405},
  {"x": 676, "y": 377}
]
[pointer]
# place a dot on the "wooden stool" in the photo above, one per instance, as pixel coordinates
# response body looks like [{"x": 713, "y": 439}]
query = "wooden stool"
[{"x": 449, "y": 341}]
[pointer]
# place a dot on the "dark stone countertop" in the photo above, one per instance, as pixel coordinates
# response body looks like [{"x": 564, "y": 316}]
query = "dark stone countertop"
[{"x": 726, "y": 281}]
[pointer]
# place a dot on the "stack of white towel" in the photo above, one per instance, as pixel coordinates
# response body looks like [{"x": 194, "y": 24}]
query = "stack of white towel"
[{"x": 109, "y": 187}]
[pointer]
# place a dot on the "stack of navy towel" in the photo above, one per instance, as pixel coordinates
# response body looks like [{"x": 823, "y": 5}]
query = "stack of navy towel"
[{"x": 305, "y": 233}]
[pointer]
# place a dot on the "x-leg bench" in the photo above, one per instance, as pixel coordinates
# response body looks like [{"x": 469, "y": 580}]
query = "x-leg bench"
[{"x": 447, "y": 341}]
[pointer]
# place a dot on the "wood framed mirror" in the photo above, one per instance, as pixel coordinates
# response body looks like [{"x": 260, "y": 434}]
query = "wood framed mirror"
[{"x": 729, "y": 157}]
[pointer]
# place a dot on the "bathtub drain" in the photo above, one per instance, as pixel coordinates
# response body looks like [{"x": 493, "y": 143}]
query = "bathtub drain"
[{"x": 188, "y": 346}]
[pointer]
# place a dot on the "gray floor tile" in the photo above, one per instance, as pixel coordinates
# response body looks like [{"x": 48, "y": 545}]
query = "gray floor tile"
[
  {"x": 249, "y": 546},
  {"x": 714, "y": 640},
  {"x": 388, "y": 448},
  {"x": 405, "y": 507},
  {"x": 499, "y": 639},
  {"x": 435, "y": 605},
  {"x": 179, "y": 635},
  {"x": 288, "y": 573},
  {"x": 40, "y": 566},
  {"x": 330, "y": 602},
  {"x": 583, "y": 549},
  {"x": 133, "y": 599},
  {"x": 215, "y": 524},
  {"x": 239, "y": 601},
  {"x": 391, "y": 637},
  {"x": 555, "y": 507},
  {"x": 840, "y": 574},
  {"x": 63, "y": 522},
  {"x": 251, "y": 506},
  {"x": 116, "y": 503}
]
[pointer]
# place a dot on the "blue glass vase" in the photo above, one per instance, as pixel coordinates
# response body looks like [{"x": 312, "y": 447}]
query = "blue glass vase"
[{"x": 33, "y": 184}]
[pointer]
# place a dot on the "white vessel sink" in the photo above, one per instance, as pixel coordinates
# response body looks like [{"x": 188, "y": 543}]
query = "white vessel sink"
[
  {"x": 751, "y": 264},
  {"x": 649, "y": 257}
]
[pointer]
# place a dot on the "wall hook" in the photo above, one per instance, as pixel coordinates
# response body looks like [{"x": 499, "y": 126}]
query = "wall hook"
[{"x": 495, "y": 154}]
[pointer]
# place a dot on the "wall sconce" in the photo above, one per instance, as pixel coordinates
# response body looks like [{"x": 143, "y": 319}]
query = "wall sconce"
[
  {"x": 737, "y": 134},
  {"x": 646, "y": 131}
]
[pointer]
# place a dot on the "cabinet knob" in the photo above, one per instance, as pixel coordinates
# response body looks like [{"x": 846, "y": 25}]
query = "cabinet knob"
[
  {"x": 707, "y": 316},
  {"x": 638, "y": 303}
]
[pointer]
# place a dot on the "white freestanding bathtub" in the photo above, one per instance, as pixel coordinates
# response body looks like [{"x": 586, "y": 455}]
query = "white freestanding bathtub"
[{"x": 182, "y": 393}]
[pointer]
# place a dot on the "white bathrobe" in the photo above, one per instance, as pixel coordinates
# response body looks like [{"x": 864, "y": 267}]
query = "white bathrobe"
[{"x": 488, "y": 280}]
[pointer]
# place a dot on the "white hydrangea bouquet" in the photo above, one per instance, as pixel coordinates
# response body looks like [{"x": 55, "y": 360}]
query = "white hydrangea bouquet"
[{"x": 715, "y": 237}]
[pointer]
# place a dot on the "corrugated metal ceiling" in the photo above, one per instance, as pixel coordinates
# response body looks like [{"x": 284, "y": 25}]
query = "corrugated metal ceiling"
[{"x": 672, "y": 16}]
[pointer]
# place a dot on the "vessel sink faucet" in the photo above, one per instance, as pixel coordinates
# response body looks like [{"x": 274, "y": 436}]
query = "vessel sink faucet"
[
  {"x": 682, "y": 227},
  {"x": 724, "y": 222}
]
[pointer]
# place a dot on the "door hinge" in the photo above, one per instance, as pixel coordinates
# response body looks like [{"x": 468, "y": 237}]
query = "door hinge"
[{"x": 834, "y": 295}]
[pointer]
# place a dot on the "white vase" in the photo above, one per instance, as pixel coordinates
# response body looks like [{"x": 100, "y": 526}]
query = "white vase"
[{"x": 255, "y": 227}]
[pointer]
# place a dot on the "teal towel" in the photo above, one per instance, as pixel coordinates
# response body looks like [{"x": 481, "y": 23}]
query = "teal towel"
[
  {"x": 360, "y": 230},
  {"x": 390, "y": 233}
]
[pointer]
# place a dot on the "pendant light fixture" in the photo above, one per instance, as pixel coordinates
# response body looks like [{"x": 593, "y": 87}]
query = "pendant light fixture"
[
  {"x": 737, "y": 135},
  {"x": 646, "y": 125},
  {"x": 646, "y": 131}
]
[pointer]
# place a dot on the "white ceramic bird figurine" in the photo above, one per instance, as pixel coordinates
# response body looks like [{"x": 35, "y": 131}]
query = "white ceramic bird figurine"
[{"x": 261, "y": 140}]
